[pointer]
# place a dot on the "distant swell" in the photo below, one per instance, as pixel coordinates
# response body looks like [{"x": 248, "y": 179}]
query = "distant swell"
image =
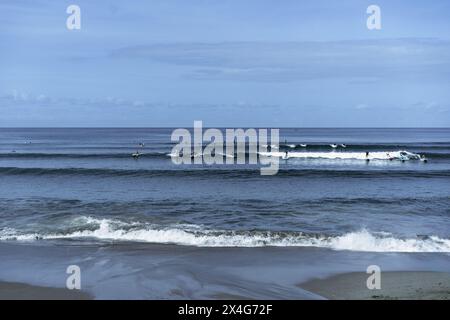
[
  {"x": 368, "y": 147},
  {"x": 226, "y": 172},
  {"x": 191, "y": 235},
  {"x": 17, "y": 155},
  {"x": 437, "y": 155},
  {"x": 166, "y": 155}
]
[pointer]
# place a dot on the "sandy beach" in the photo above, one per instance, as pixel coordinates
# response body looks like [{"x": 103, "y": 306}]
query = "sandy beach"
[
  {"x": 20, "y": 291},
  {"x": 411, "y": 285},
  {"x": 143, "y": 271}
]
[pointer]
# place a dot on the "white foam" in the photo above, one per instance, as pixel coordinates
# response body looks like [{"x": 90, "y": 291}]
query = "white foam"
[
  {"x": 226, "y": 155},
  {"x": 366, "y": 241},
  {"x": 193, "y": 235},
  {"x": 381, "y": 155}
]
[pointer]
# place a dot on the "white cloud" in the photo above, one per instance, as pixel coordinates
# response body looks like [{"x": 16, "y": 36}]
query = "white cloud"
[{"x": 382, "y": 59}]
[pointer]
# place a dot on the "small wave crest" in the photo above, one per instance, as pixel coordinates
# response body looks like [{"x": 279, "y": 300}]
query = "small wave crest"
[
  {"x": 96, "y": 156},
  {"x": 194, "y": 235},
  {"x": 337, "y": 155},
  {"x": 227, "y": 172}
]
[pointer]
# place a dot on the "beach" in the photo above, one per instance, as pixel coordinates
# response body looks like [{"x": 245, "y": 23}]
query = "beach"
[
  {"x": 398, "y": 285},
  {"x": 20, "y": 291},
  {"x": 410, "y": 285},
  {"x": 146, "y": 271}
]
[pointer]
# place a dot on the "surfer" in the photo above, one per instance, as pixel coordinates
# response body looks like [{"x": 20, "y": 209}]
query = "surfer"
[
  {"x": 136, "y": 155},
  {"x": 194, "y": 155},
  {"x": 404, "y": 156},
  {"x": 423, "y": 159},
  {"x": 367, "y": 156}
]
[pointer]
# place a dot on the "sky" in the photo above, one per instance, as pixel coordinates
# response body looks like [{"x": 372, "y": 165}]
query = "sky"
[{"x": 229, "y": 63}]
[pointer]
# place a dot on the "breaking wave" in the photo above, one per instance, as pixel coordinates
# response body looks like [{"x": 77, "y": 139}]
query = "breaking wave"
[
  {"x": 384, "y": 155},
  {"x": 194, "y": 235}
]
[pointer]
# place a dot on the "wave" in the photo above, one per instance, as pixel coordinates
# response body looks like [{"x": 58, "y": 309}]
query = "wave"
[
  {"x": 294, "y": 152},
  {"x": 436, "y": 155},
  {"x": 223, "y": 173},
  {"x": 205, "y": 172},
  {"x": 335, "y": 155},
  {"x": 194, "y": 235},
  {"x": 252, "y": 202},
  {"x": 366, "y": 147},
  {"x": 43, "y": 155}
]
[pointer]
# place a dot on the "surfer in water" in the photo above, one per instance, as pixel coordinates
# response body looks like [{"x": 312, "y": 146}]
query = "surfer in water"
[
  {"x": 367, "y": 156},
  {"x": 136, "y": 155},
  {"x": 194, "y": 155},
  {"x": 389, "y": 156}
]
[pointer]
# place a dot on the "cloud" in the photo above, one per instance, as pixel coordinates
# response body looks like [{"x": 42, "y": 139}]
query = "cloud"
[
  {"x": 22, "y": 98},
  {"x": 356, "y": 60},
  {"x": 28, "y": 100}
]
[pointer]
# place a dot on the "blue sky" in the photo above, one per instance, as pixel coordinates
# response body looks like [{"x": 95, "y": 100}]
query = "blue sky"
[{"x": 229, "y": 63}]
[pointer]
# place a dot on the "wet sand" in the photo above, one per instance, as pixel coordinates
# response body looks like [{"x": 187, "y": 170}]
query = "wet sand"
[
  {"x": 147, "y": 271},
  {"x": 411, "y": 285},
  {"x": 20, "y": 291}
]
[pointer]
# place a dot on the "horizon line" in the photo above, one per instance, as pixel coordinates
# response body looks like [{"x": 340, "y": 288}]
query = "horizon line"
[{"x": 221, "y": 127}]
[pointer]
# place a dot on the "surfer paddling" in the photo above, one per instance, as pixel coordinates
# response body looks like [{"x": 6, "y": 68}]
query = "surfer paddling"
[
  {"x": 423, "y": 159},
  {"x": 136, "y": 155}
]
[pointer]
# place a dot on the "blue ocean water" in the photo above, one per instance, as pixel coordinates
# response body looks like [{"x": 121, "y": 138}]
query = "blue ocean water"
[{"x": 82, "y": 185}]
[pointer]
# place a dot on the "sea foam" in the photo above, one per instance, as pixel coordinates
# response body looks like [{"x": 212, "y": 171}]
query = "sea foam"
[
  {"x": 194, "y": 235},
  {"x": 379, "y": 155}
]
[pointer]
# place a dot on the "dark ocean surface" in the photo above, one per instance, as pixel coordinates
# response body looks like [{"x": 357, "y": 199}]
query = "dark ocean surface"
[
  {"x": 80, "y": 188},
  {"x": 84, "y": 184}
]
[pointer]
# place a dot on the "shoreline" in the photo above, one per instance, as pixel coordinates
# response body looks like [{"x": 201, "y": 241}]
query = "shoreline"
[
  {"x": 142, "y": 271},
  {"x": 395, "y": 285},
  {"x": 22, "y": 291}
]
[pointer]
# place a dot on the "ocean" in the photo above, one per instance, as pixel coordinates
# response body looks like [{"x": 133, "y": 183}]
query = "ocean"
[{"x": 162, "y": 230}]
